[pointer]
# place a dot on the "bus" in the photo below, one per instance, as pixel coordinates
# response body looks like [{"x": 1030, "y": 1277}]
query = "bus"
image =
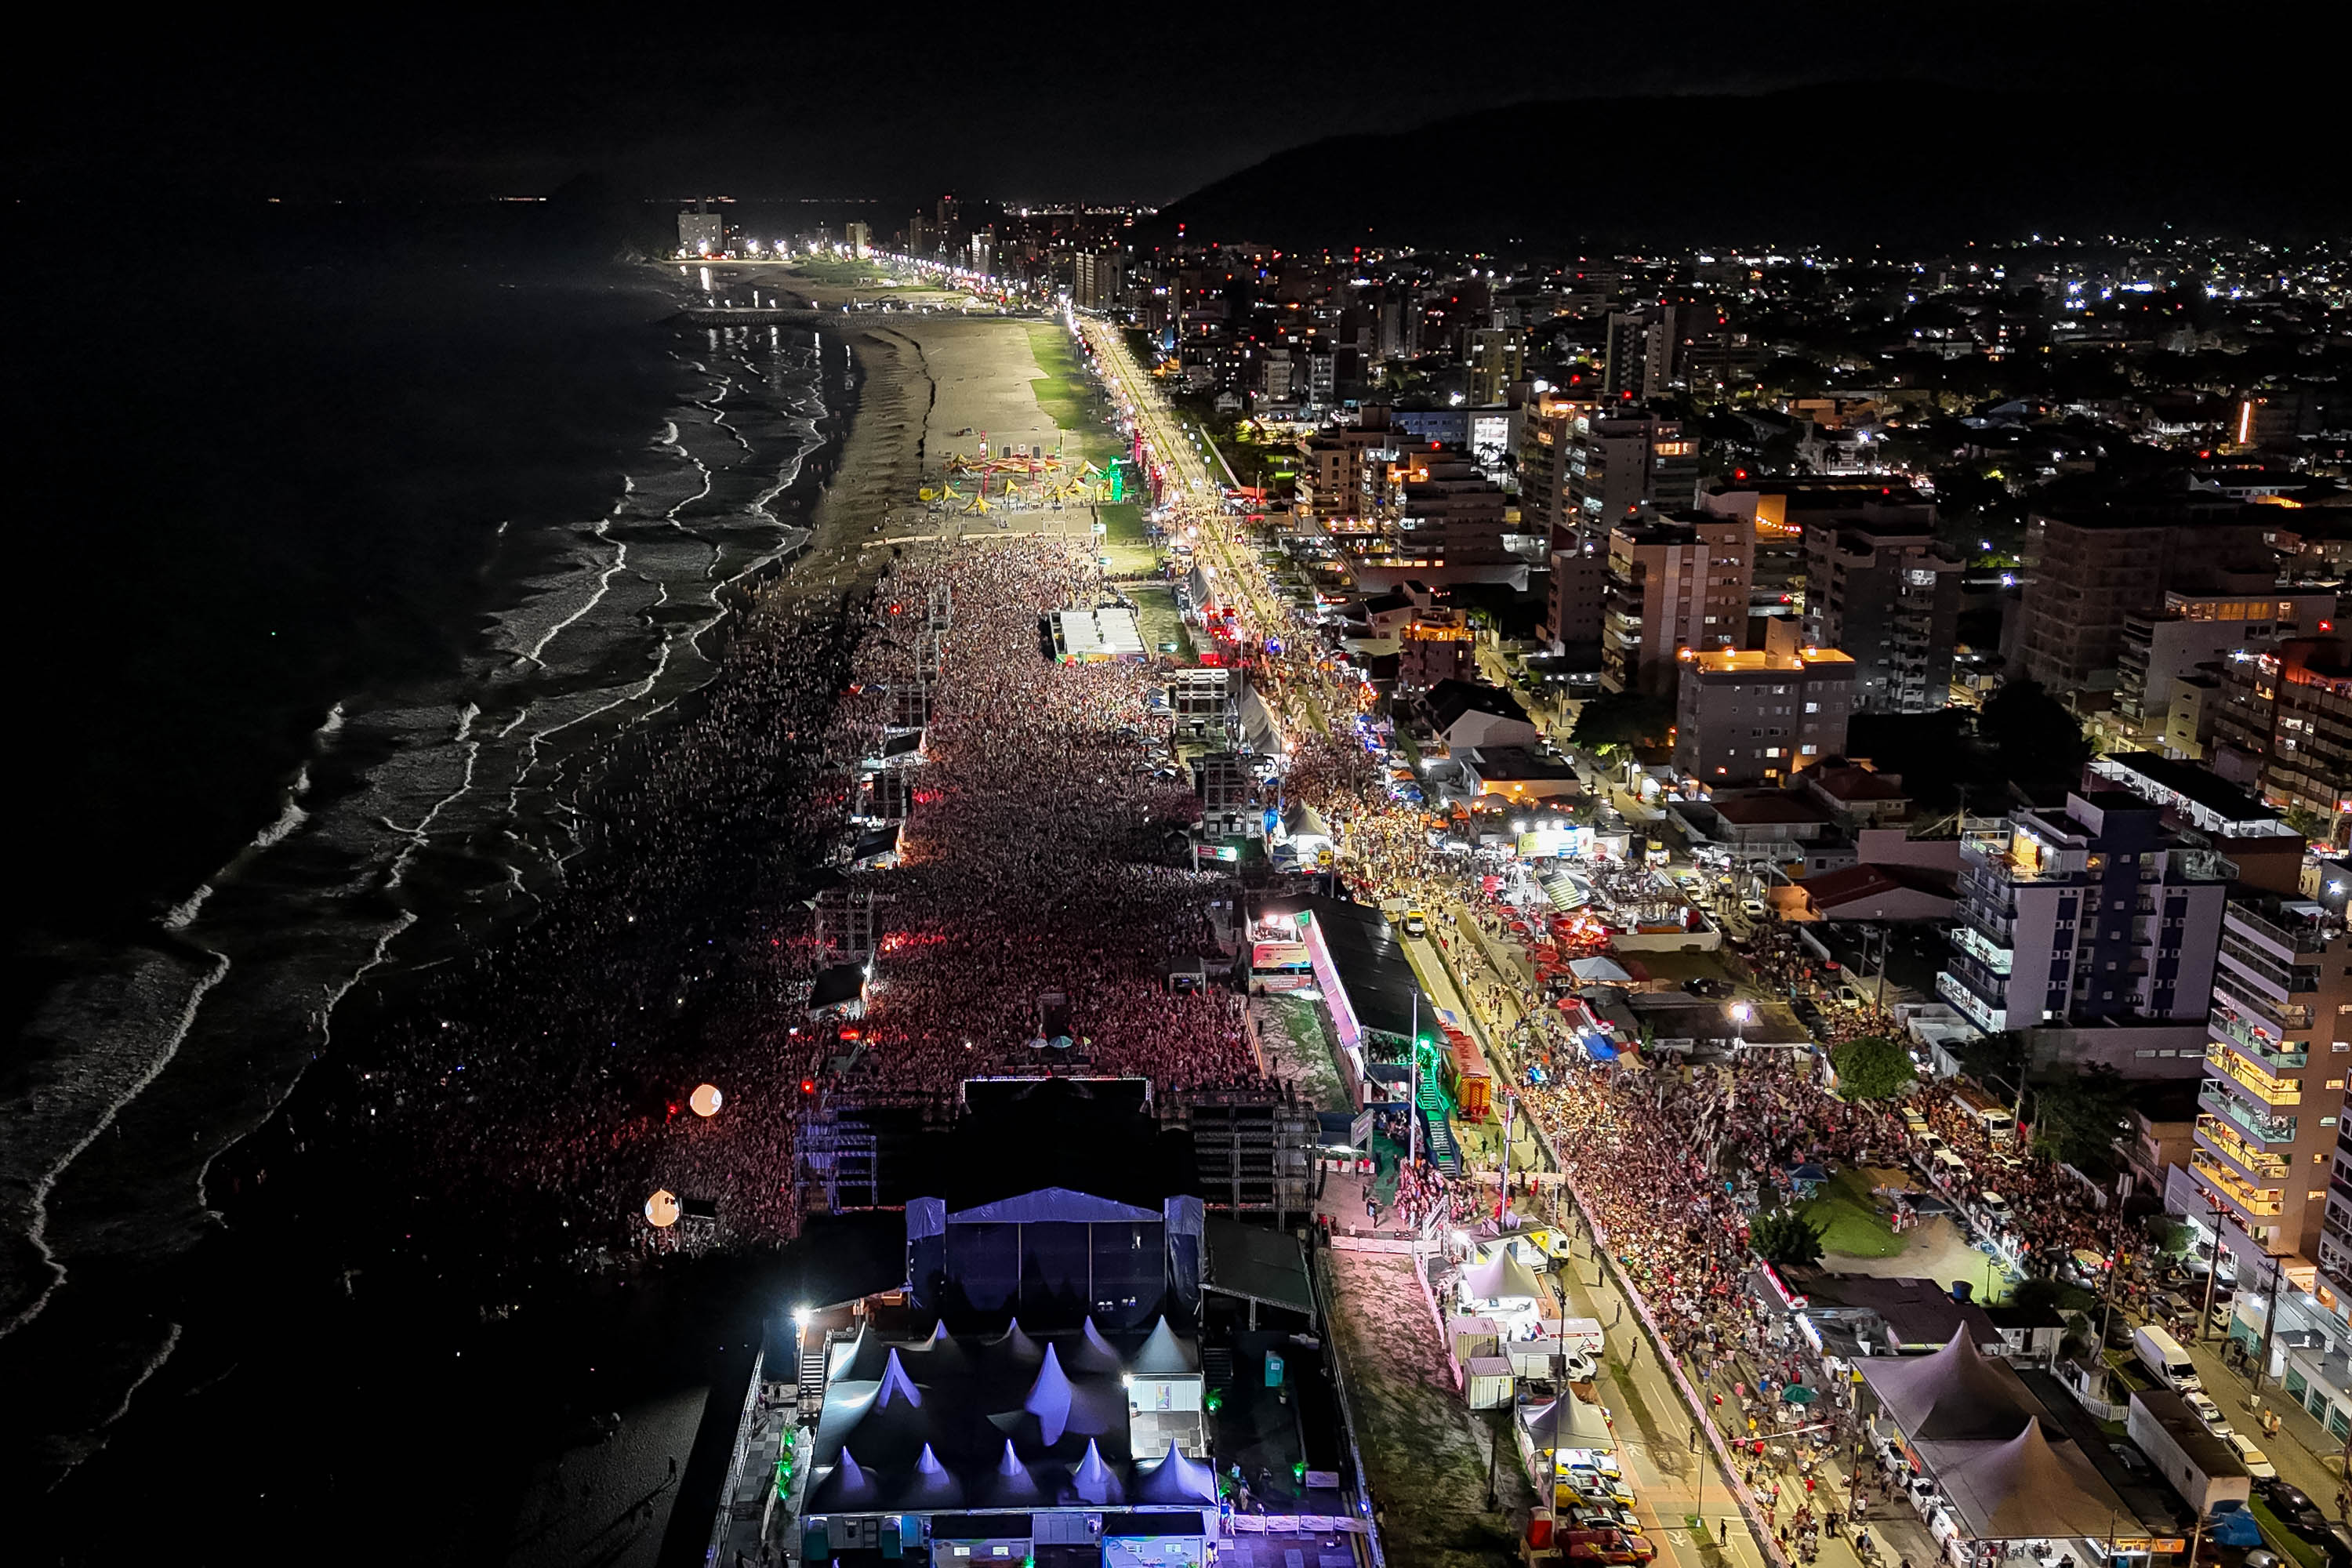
[{"x": 1990, "y": 1114}]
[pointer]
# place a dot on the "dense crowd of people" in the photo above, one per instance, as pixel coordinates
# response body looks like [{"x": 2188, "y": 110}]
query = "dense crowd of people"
[{"x": 550, "y": 1083}]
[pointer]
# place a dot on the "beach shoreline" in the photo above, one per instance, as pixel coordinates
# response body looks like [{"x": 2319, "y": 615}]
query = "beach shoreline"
[{"x": 862, "y": 485}]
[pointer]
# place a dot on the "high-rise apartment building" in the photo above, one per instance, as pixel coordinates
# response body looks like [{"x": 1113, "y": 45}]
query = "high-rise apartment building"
[
  {"x": 1449, "y": 513},
  {"x": 1745, "y": 717},
  {"x": 701, "y": 233},
  {"x": 2284, "y": 718},
  {"x": 1547, "y": 435},
  {"x": 2162, "y": 646},
  {"x": 2269, "y": 1127},
  {"x": 1340, "y": 474},
  {"x": 1883, "y": 588},
  {"x": 2096, "y": 912},
  {"x": 1099, "y": 278},
  {"x": 2089, "y": 568},
  {"x": 1625, "y": 358},
  {"x": 1497, "y": 359},
  {"x": 1674, "y": 582},
  {"x": 1619, "y": 463}
]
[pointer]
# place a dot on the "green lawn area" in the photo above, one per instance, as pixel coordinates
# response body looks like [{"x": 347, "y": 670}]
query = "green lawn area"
[
  {"x": 1130, "y": 553},
  {"x": 1849, "y": 1219},
  {"x": 840, "y": 271},
  {"x": 1156, "y": 617},
  {"x": 1065, "y": 392},
  {"x": 2280, "y": 1538}
]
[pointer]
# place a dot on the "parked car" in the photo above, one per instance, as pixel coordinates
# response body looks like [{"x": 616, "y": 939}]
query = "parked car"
[
  {"x": 1753, "y": 908},
  {"x": 1593, "y": 1484},
  {"x": 2202, "y": 1406},
  {"x": 1613, "y": 1546},
  {"x": 1917, "y": 1122},
  {"x": 2294, "y": 1509},
  {"x": 2258, "y": 1464},
  {"x": 1607, "y": 1515},
  {"x": 1995, "y": 1206},
  {"x": 1708, "y": 985}
]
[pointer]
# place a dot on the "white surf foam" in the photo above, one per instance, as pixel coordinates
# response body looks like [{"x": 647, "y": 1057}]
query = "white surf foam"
[{"x": 139, "y": 1031}]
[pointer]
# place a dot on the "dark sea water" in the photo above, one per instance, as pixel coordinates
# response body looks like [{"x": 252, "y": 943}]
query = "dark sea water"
[{"x": 348, "y": 544}]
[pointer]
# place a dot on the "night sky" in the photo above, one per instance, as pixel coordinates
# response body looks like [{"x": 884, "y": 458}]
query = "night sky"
[{"x": 1104, "y": 103}]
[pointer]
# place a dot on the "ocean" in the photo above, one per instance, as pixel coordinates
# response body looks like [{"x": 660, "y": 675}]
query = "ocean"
[{"x": 351, "y": 544}]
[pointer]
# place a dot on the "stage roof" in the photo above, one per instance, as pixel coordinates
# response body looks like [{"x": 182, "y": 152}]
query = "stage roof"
[
  {"x": 1369, "y": 956},
  {"x": 1055, "y": 1132}
]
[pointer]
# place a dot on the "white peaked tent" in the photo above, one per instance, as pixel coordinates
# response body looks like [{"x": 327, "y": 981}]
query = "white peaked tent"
[
  {"x": 1096, "y": 1482},
  {"x": 1093, "y": 1352},
  {"x": 933, "y": 1486},
  {"x": 1014, "y": 1486},
  {"x": 896, "y": 1385},
  {"x": 1165, "y": 1355},
  {"x": 848, "y": 1487},
  {"x": 1175, "y": 1477},
  {"x": 1568, "y": 1422},
  {"x": 1049, "y": 1398},
  {"x": 1502, "y": 1278}
]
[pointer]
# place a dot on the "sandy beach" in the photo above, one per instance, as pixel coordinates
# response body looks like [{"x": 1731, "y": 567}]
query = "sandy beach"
[{"x": 339, "y": 1249}]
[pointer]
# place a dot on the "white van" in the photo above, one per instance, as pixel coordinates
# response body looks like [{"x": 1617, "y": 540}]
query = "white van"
[
  {"x": 1951, "y": 1166},
  {"x": 2165, "y": 1360}
]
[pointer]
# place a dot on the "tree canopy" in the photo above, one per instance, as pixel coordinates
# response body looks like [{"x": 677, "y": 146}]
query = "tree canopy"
[
  {"x": 1784, "y": 1237},
  {"x": 2037, "y": 741},
  {"x": 1619, "y": 721},
  {"x": 1871, "y": 1067},
  {"x": 2075, "y": 1120}
]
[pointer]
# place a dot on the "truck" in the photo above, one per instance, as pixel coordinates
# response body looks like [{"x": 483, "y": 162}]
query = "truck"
[
  {"x": 2202, "y": 1468},
  {"x": 1989, "y": 1113},
  {"x": 2165, "y": 1360}
]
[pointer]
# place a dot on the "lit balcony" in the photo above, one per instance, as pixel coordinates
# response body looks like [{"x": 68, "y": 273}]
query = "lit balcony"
[
  {"x": 2243, "y": 1071},
  {"x": 2224, "y": 1140},
  {"x": 2232, "y": 996},
  {"x": 1997, "y": 959},
  {"x": 2267, "y": 1050},
  {"x": 1992, "y": 1020},
  {"x": 2251, "y": 1123},
  {"x": 2297, "y": 939},
  {"x": 2253, "y": 1199}
]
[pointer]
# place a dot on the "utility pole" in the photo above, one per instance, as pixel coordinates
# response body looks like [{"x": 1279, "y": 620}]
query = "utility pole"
[
  {"x": 2212, "y": 1274},
  {"x": 2270, "y": 1320},
  {"x": 1412, "y": 1088}
]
